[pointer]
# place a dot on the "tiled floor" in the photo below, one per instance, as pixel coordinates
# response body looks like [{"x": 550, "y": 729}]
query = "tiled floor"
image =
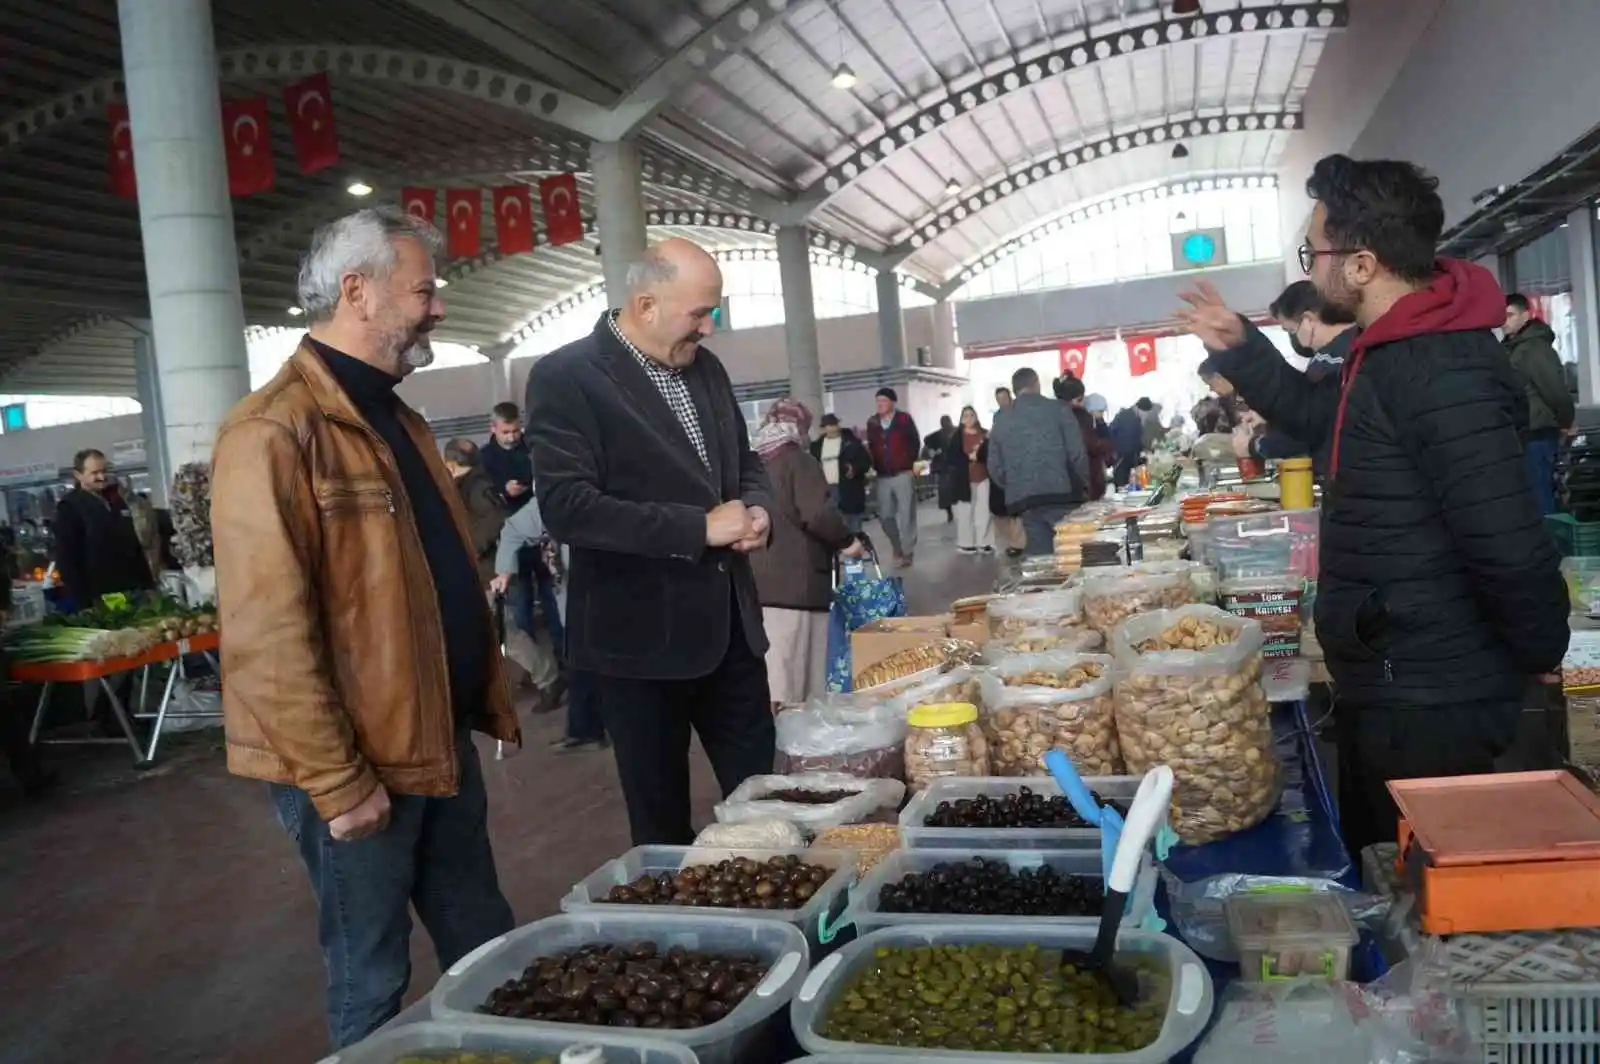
[{"x": 161, "y": 917}]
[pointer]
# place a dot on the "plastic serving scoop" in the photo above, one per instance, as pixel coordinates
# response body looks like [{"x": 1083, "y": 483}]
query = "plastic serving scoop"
[
  {"x": 1107, "y": 819},
  {"x": 1148, "y": 810}
]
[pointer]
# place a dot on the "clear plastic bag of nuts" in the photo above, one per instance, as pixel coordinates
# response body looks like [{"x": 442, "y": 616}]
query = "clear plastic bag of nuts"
[
  {"x": 960, "y": 684},
  {"x": 1060, "y": 608},
  {"x": 1042, "y": 640},
  {"x": 1189, "y": 695},
  {"x": 1111, "y": 599},
  {"x": 1033, "y": 703},
  {"x": 1202, "y": 576},
  {"x": 943, "y": 739}
]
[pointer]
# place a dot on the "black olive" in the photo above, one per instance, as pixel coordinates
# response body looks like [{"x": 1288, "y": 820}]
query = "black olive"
[
  {"x": 718, "y": 985},
  {"x": 637, "y": 1005},
  {"x": 712, "y": 1011},
  {"x": 648, "y": 988}
]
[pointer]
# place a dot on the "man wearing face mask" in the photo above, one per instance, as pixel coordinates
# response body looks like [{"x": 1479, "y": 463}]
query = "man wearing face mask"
[
  {"x": 1439, "y": 594},
  {"x": 644, "y": 471},
  {"x": 360, "y": 654}
]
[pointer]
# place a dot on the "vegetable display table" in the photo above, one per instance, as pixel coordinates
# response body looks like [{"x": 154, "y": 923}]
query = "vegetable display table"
[{"x": 48, "y": 674}]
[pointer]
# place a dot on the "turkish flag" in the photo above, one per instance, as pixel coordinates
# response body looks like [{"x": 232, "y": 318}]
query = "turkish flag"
[
  {"x": 1074, "y": 360},
  {"x": 119, "y": 159},
  {"x": 464, "y": 209},
  {"x": 513, "y": 219},
  {"x": 310, "y": 109},
  {"x": 558, "y": 196},
  {"x": 1141, "y": 355},
  {"x": 249, "y": 144},
  {"x": 419, "y": 202}
]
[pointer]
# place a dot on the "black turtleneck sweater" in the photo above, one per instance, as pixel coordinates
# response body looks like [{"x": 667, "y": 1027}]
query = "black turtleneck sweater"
[{"x": 455, "y": 577}]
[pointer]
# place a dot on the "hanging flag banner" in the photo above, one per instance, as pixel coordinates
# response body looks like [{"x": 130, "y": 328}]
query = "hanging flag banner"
[
  {"x": 1141, "y": 355},
  {"x": 513, "y": 219},
  {"x": 249, "y": 146},
  {"x": 463, "y": 207},
  {"x": 1074, "y": 359},
  {"x": 558, "y": 198},
  {"x": 419, "y": 202},
  {"x": 309, "y": 106},
  {"x": 119, "y": 160}
]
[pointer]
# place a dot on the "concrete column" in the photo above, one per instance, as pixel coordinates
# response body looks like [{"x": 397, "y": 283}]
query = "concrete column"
[
  {"x": 1585, "y": 302},
  {"x": 619, "y": 211},
  {"x": 800, "y": 318},
  {"x": 891, "y": 323},
  {"x": 152, "y": 420},
  {"x": 169, "y": 65},
  {"x": 944, "y": 334},
  {"x": 501, "y": 388}
]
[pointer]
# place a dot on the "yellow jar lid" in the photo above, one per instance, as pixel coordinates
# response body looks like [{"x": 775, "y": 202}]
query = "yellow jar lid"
[
  {"x": 1295, "y": 464},
  {"x": 942, "y": 715}
]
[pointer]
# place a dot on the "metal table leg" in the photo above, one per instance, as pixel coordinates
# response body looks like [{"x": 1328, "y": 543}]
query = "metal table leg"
[
  {"x": 123, "y": 722},
  {"x": 161, "y": 711},
  {"x": 38, "y": 714}
]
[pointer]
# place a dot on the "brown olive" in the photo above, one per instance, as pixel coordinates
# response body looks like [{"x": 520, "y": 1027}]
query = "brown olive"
[
  {"x": 649, "y": 989},
  {"x": 712, "y": 1011},
  {"x": 719, "y": 985}
]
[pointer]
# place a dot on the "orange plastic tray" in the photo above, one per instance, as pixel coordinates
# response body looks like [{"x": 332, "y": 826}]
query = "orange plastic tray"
[{"x": 83, "y": 671}]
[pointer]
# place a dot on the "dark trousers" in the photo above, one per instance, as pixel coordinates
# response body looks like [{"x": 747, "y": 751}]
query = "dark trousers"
[
  {"x": 583, "y": 707},
  {"x": 1377, "y": 744},
  {"x": 1039, "y": 526},
  {"x": 433, "y": 856},
  {"x": 649, "y": 722},
  {"x": 1539, "y": 452}
]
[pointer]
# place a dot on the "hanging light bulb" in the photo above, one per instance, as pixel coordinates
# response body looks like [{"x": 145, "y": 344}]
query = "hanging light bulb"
[
  {"x": 844, "y": 77},
  {"x": 952, "y": 187},
  {"x": 1180, "y": 152}
]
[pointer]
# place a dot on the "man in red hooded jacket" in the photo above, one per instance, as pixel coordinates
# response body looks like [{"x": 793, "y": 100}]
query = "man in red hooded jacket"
[{"x": 1439, "y": 593}]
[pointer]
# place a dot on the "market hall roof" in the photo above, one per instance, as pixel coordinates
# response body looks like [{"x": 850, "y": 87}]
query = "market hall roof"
[{"x": 967, "y": 121}]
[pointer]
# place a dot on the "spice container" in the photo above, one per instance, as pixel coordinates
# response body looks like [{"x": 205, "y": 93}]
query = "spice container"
[
  {"x": 1294, "y": 484},
  {"x": 944, "y": 740},
  {"x": 1291, "y": 936}
]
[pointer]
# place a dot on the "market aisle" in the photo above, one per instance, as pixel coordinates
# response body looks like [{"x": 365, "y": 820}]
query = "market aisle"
[{"x": 163, "y": 917}]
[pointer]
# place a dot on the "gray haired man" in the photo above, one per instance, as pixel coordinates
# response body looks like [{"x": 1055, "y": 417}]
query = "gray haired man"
[
  {"x": 360, "y": 653},
  {"x": 1037, "y": 456}
]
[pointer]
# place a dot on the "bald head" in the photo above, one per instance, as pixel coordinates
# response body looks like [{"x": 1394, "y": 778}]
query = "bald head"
[{"x": 674, "y": 289}]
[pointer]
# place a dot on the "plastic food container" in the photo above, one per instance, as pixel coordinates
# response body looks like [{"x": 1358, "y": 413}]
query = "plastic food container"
[
  {"x": 459, "y": 992},
  {"x": 1188, "y": 1006},
  {"x": 866, "y": 916},
  {"x": 944, "y": 740},
  {"x": 1284, "y": 936},
  {"x": 589, "y": 894},
  {"x": 915, "y": 836},
  {"x": 434, "y": 1039}
]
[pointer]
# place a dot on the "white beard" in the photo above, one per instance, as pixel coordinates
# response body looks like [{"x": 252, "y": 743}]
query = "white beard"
[{"x": 419, "y": 355}]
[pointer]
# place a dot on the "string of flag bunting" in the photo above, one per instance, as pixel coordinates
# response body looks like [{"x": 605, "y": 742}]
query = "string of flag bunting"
[
  {"x": 513, "y": 215},
  {"x": 1141, "y": 356}
]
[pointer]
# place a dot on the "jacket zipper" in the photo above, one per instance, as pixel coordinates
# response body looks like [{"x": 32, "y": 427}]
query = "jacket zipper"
[{"x": 1388, "y": 671}]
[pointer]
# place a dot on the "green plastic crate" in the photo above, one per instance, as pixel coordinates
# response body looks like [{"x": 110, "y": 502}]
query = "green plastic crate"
[{"x": 1574, "y": 538}]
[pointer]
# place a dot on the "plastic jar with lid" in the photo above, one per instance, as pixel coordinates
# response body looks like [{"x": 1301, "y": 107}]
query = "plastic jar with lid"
[
  {"x": 944, "y": 740},
  {"x": 1294, "y": 484}
]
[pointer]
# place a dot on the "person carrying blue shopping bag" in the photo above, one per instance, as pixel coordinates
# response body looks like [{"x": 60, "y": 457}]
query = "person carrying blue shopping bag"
[{"x": 861, "y": 595}]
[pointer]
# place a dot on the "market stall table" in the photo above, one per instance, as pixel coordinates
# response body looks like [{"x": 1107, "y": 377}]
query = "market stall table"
[{"x": 48, "y": 674}]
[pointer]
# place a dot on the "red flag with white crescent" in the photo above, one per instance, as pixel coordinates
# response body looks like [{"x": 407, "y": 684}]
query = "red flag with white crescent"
[
  {"x": 1141, "y": 355},
  {"x": 1074, "y": 359},
  {"x": 558, "y": 196},
  {"x": 248, "y": 141},
  {"x": 463, "y": 210},
  {"x": 309, "y": 105},
  {"x": 419, "y": 202},
  {"x": 119, "y": 160},
  {"x": 513, "y": 219}
]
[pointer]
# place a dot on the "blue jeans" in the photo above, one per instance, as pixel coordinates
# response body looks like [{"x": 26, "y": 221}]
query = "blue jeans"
[
  {"x": 1540, "y": 454},
  {"x": 434, "y": 855}
]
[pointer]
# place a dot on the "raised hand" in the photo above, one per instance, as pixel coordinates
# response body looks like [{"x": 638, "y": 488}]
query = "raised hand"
[{"x": 1209, "y": 318}]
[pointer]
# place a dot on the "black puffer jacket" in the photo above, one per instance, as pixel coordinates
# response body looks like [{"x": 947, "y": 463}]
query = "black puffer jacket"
[{"x": 1439, "y": 583}]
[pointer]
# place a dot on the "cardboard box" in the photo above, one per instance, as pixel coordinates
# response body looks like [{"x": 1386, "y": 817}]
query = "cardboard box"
[{"x": 871, "y": 643}]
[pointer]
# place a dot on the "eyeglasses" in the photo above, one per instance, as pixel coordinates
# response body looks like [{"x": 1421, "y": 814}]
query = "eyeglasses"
[{"x": 1309, "y": 255}]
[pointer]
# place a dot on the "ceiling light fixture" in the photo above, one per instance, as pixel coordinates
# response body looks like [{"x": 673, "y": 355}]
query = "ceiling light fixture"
[
  {"x": 952, "y": 187},
  {"x": 1179, "y": 151},
  {"x": 359, "y": 188},
  {"x": 1181, "y": 217},
  {"x": 844, "y": 77},
  {"x": 295, "y": 312},
  {"x": 1185, "y": 8}
]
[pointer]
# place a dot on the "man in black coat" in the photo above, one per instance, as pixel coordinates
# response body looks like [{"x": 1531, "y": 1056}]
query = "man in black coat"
[
  {"x": 845, "y": 464},
  {"x": 97, "y": 549},
  {"x": 1439, "y": 594},
  {"x": 644, "y": 469}
]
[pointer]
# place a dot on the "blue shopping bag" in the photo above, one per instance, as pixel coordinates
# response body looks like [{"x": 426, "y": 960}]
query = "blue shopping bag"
[{"x": 861, "y": 595}]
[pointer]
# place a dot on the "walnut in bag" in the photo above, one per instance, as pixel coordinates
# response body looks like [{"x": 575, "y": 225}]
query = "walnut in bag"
[
  {"x": 1111, "y": 599},
  {"x": 1034, "y": 703},
  {"x": 1060, "y": 608},
  {"x": 1189, "y": 695}
]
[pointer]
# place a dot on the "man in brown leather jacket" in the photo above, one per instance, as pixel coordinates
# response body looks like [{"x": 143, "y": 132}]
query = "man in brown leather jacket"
[{"x": 360, "y": 653}]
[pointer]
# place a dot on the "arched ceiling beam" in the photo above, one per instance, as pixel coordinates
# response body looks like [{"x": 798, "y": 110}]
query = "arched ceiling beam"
[
  {"x": 1014, "y": 181},
  {"x": 987, "y": 258},
  {"x": 1100, "y": 44}
]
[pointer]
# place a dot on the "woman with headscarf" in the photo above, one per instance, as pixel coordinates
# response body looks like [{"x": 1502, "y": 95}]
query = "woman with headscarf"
[{"x": 794, "y": 572}]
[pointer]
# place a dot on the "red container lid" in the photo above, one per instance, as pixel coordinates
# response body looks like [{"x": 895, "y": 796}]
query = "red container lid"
[{"x": 1501, "y": 819}]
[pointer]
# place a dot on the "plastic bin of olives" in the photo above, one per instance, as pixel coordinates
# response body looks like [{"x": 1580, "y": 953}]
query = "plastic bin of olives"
[
  {"x": 992, "y": 886},
  {"x": 1005, "y": 813},
  {"x": 788, "y": 885},
  {"x": 432, "y": 1042},
  {"x": 934, "y": 990},
  {"x": 632, "y": 971}
]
